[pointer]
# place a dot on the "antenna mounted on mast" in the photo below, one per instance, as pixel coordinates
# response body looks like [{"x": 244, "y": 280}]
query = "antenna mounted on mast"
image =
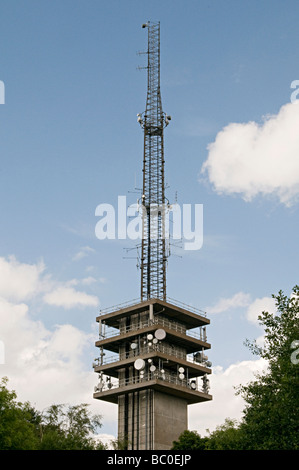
[{"x": 153, "y": 202}]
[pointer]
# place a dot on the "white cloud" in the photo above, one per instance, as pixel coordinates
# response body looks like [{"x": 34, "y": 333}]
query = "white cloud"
[
  {"x": 88, "y": 280},
  {"x": 251, "y": 159},
  {"x": 84, "y": 251},
  {"x": 225, "y": 403},
  {"x": 19, "y": 281},
  {"x": 238, "y": 300},
  {"x": 266, "y": 304},
  {"x": 44, "y": 366},
  {"x": 68, "y": 297}
]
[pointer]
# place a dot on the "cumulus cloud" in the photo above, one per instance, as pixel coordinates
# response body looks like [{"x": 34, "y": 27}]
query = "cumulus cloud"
[
  {"x": 252, "y": 159},
  {"x": 83, "y": 252},
  {"x": 88, "y": 280},
  {"x": 225, "y": 403},
  {"x": 68, "y": 297},
  {"x": 44, "y": 365},
  {"x": 22, "y": 281},
  {"x": 19, "y": 281},
  {"x": 258, "y": 306},
  {"x": 238, "y": 300}
]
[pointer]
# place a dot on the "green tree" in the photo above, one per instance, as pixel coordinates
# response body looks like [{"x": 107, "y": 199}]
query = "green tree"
[
  {"x": 227, "y": 436},
  {"x": 65, "y": 427},
  {"x": 17, "y": 422},
  {"x": 60, "y": 427},
  {"x": 271, "y": 415},
  {"x": 190, "y": 440}
]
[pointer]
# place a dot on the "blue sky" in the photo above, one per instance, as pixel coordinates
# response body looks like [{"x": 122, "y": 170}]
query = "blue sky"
[{"x": 70, "y": 141}]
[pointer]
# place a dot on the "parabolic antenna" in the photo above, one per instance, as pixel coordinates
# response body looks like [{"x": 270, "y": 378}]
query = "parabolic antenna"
[
  {"x": 133, "y": 345},
  {"x": 139, "y": 364},
  {"x": 152, "y": 368},
  {"x": 160, "y": 334},
  {"x": 181, "y": 370}
]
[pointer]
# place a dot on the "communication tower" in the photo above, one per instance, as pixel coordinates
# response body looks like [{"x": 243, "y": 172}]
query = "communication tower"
[{"x": 157, "y": 364}]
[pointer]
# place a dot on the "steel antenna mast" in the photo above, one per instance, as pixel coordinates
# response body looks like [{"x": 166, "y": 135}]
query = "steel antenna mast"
[{"x": 153, "y": 202}]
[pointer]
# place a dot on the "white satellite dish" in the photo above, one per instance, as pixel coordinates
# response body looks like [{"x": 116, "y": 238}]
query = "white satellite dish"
[
  {"x": 181, "y": 370},
  {"x": 160, "y": 334},
  {"x": 149, "y": 336},
  {"x": 139, "y": 364},
  {"x": 181, "y": 376},
  {"x": 133, "y": 345},
  {"x": 155, "y": 341},
  {"x": 152, "y": 368}
]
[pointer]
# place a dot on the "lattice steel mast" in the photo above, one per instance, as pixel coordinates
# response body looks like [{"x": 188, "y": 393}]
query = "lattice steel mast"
[{"x": 153, "y": 121}]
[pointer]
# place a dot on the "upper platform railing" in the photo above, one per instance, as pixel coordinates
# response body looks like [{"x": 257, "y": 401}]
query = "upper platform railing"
[{"x": 132, "y": 303}]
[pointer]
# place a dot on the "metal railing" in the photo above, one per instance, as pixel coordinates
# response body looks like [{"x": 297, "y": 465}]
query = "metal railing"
[
  {"x": 133, "y": 302},
  {"x": 159, "y": 321},
  {"x": 177, "y": 354},
  {"x": 167, "y": 377}
]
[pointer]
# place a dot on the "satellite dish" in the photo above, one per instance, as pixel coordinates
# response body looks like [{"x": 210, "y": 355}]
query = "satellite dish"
[
  {"x": 149, "y": 336},
  {"x": 155, "y": 341},
  {"x": 181, "y": 376},
  {"x": 193, "y": 385},
  {"x": 181, "y": 370},
  {"x": 149, "y": 360},
  {"x": 133, "y": 345},
  {"x": 160, "y": 334},
  {"x": 152, "y": 368},
  {"x": 139, "y": 364}
]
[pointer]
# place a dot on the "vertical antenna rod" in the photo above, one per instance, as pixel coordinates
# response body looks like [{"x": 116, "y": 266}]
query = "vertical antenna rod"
[{"x": 153, "y": 121}]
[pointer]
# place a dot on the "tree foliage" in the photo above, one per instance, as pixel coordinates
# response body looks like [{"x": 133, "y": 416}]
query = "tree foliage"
[
  {"x": 190, "y": 440},
  {"x": 227, "y": 436},
  {"x": 271, "y": 415},
  {"x": 17, "y": 421},
  {"x": 68, "y": 428},
  {"x": 59, "y": 427}
]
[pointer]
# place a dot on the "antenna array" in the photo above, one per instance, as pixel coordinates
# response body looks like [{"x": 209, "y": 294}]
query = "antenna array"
[{"x": 153, "y": 121}]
